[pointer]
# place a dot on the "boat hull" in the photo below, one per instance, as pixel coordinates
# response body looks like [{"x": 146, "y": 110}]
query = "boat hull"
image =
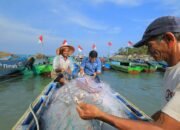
[
  {"x": 106, "y": 66},
  {"x": 40, "y": 104},
  {"x": 8, "y": 67},
  {"x": 41, "y": 69},
  {"x": 127, "y": 69}
]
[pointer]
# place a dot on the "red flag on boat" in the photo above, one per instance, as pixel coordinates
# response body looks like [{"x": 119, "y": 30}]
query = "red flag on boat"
[
  {"x": 64, "y": 42},
  {"x": 40, "y": 39},
  {"x": 130, "y": 43},
  {"x": 109, "y": 43},
  {"x": 80, "y": 48},
  {"x": 94, "y": 47}
]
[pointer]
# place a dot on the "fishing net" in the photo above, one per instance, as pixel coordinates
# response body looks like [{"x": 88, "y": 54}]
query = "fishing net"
[{"x": 61, "y": 112}]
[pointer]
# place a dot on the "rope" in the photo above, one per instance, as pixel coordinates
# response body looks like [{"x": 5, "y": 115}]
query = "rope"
[{"x": 36, "y": 120}]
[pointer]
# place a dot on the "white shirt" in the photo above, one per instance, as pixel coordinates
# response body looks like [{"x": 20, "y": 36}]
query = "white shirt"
[
  {"x": 60, "y": 63},
  {"x": 171, "y": 97}
]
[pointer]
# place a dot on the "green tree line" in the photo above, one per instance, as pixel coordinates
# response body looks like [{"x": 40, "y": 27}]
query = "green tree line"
[{"x": 129, "y": 51}]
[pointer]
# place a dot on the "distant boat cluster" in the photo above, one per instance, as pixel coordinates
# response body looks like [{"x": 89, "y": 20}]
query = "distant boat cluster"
[
  {"x": 135, "y": 66},
  {"x": 42, "y": 65}
]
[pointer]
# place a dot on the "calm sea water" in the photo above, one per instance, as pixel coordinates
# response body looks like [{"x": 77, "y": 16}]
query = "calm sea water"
[{"x": 144, "y": 90}]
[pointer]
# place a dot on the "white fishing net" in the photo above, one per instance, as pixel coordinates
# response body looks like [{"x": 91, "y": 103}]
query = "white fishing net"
[{"x": 61, "y": 113}]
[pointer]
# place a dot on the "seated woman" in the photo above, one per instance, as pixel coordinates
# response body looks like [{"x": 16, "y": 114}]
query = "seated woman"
[{"x": 61, "y": 63}]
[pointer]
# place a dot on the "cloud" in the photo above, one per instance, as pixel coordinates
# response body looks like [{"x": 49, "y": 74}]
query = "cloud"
[
  {"x": 142, "y": 20},
  {"x": 21, "y": 38},
  {"x": 76, "y": 17},
  {"x": 173, "y": 6},
  {"x": 86, "y": 22},
  {"x": 118, "y": 2},
  {"x": 11, "y": 30},
  {"x": 55, "y": 11},
  {"x": 91, "y": 24},
  {"x": 114, "y": 30}
]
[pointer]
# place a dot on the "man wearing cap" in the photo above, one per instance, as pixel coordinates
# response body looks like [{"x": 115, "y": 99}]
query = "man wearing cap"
[
  {"x": 61, "y": 63},
  {"x": 162, "y": 37},
  {"x": 91, "y": 65}
]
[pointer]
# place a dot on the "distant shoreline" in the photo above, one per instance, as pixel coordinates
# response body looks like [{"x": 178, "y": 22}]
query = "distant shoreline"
[
  {"x": 134, "y": 56},
  {"x": 4, "y": 54}
]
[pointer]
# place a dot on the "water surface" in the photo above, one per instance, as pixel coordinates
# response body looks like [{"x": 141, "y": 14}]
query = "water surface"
[{"x": 144, "y": 90}]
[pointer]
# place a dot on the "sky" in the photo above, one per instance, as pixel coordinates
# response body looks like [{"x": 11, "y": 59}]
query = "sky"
[{"x": 80, "y": 22}]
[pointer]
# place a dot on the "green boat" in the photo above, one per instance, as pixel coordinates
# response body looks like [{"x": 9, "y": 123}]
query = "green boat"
[
  {"x": 151, "y": 67},
  {"x": 146, "y": 67},
  {"x": 50, "y": 59},
  {"x": 127, "y": 67},
  {"x": 41, "y": 69}
]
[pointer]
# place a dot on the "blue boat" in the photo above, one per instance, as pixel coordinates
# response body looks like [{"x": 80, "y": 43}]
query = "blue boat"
[
  {"x": 106, "y": 66},
  {"x": 8, "y": 67},
  {"x": 27, "y": 121}
]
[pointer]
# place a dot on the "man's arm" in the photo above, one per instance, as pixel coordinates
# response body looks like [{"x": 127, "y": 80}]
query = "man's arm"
[
  {"x": 126, "y": 124},
  {"x": 99, "y": 67},
  {"x": 98, "y": 73},
  {"x": 81, "y": 70},
  {"x": 87, "y": 111},
  {"x": 156, "y": 115},
  {"x": 82, "y": 66}
]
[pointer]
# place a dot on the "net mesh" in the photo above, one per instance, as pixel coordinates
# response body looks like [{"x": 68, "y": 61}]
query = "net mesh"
[{"x": 61, "y": 112}]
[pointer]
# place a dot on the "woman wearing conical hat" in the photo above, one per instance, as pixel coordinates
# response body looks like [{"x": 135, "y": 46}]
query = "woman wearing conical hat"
[{"x": 61, "y": 62}]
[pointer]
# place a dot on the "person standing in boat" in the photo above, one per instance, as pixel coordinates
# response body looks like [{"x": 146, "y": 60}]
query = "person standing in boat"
[
  {"x": 162, "y": 37},
  {"x": 91, "y": 65},
  {"x": 30, "y": 62},
  {"x": 61, "y": 63}
]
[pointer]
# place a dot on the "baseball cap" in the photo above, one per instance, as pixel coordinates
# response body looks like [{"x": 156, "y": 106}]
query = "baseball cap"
[{"x": 160, "y": 26}]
